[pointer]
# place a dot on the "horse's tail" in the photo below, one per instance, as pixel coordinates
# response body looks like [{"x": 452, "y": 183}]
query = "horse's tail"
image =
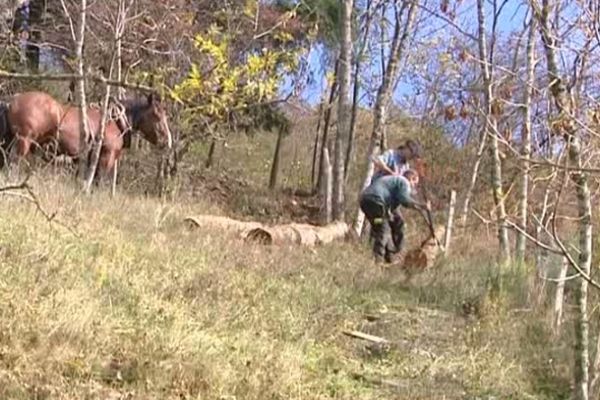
[{"x": 6, "y": 135}]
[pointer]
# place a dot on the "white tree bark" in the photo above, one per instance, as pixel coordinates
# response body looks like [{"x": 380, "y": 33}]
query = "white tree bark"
[
  {"x": 521, "y": 244},
  {"x": 584, "y": 206},
  {"x": 344, "y": 115},
  {"x": 559, "y": 296},
  {"x": 490, "y": 128},
  {"x": 84, "y": 130},
  {"x": 384, "y": 93},
  {"x": 474, "y": 175},
  {"x": 449, "y": 221}
]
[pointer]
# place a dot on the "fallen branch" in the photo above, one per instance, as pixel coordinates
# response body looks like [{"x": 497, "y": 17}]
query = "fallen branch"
[
  {"x": 32, "y": 198},
  {"x": 366, "y": 336}
]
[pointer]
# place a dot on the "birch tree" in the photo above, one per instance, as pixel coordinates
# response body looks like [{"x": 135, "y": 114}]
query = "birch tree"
[
  {"x": 400, "y": 40},
  {"x": 490, "y": 129},
  {"x": 343, "y": 131},
  {"x": 566, "y": 125},
  {"x": 79, "y": 40},
  {"x": 526, "y": 139}
]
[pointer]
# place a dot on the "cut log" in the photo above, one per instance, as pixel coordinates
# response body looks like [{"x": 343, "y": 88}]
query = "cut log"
[{"x": 299, "y": 234}]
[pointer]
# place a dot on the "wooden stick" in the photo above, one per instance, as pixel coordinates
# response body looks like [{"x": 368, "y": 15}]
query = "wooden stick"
[{"x": 366, "y": 336}]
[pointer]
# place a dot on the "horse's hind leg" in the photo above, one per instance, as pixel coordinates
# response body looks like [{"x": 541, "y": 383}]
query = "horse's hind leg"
[{"x": 19, "y": 150}]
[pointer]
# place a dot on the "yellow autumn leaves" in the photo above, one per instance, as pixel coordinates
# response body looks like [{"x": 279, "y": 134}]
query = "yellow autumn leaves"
[{"x": 223, "y": 78}]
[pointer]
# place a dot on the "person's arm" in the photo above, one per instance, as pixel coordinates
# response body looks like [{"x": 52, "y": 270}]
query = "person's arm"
[
  {"x": 381, "y": 165},
  {"x": 409, "y": 202}
]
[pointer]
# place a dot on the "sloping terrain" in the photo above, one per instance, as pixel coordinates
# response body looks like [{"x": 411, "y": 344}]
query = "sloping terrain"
[{"x": 116, "y": 299}]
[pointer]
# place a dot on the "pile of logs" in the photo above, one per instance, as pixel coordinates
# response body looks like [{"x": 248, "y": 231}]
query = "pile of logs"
[{"x": 299, "y": 234}]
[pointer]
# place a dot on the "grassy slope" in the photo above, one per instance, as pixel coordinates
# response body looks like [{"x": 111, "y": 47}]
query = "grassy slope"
[{"x": 140, "y": 307}]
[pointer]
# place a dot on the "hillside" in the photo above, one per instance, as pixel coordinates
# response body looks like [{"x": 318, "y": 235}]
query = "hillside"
[{"x": 118, "y": 299}]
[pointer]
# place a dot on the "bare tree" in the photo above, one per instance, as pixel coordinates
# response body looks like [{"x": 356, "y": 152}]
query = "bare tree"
[
  {"x": 490, "y": 129},
  {"x": 526, "y": 140},
  {"x": 384, "y": 93},
  {"x": 79, "y": 41},
  {"x": 569, "y": 129},
  {"x": 356, "y": 90},
  {"x": 343, "y": 131}
]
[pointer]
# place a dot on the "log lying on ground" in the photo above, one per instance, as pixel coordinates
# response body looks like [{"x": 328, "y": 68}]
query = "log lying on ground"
[{"x": 300, "y": 234}]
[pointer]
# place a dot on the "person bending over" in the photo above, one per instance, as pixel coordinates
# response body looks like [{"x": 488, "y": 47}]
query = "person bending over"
[{"x": 379, "y": 202}]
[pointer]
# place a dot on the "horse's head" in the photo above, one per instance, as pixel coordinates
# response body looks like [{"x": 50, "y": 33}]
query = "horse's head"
[{"x": 153, "y": 122}]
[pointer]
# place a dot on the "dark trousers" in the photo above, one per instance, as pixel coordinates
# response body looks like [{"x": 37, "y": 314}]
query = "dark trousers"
[{"x": 387, "y": 228}]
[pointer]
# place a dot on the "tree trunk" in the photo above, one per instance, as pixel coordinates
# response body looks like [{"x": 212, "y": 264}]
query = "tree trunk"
[
  {"x": 326, "y": 125},
  {"x": 211, "y": 153},
  {"x": 327, "y": 189},
  {"x": 356, "y": 91},
  {"x": 275, "y": 164},
  {"x": 473, "y": 181},
  {"x": 521, "y": 244},
  {"x": 97, "y": 144},
  {"x": 449, "y": 221},
  {"x": 85, "y": 133},
  {"x": 490, "y": 128},
  {"x": 584, "y": 205},
  {"x": 559, "y": 297},
  {"x": 384, "y": 93},
  {"x": 313, "y": 171},
  {"x": 343, "y": 125},
  {"x": 120, "y": 29}
]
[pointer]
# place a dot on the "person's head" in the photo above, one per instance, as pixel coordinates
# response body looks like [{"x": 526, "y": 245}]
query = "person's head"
[
  {"x": 412, "y": 177},
  {"x": 411, "y": 150}
]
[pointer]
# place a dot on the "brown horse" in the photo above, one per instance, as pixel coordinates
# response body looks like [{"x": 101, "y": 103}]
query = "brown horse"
[
  {"x": 36, "y": 118},
  {"x": 69, "y": 139},
  {"x": 149, "y": 117}
]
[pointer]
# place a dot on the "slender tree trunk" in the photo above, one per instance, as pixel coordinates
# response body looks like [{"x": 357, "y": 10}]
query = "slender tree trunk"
[
  {"x": 115, "y": 174},
  {"x": 97, "y": 143},
  {"x": 473, "y": 181},
  {"x": 584, "y": 206},
  {"x": 521, "y": 244},
  {"x": 211, "y": 153},
  {"x": 327, "y": 188},
  {"x": 353, "y": 113},
  {"x": 120, "y": 29},
  {"x": 275, "y": 164},
  {"x": 559, "y": 297},
  {"x": 313, "y": 171},
  {"x": 356, "y": 91},
  {"x": 384, "y": 93},
  {"x": 326, "y": 126},
  {"x": 540, "y": 254},
  {"x": 343, "y": 126},
  {"x": 85, "y": 133},
  {"x": 490, "y": 128},
  {"x": 595, "y": 372},
  {"x": 449, "y": 221}
]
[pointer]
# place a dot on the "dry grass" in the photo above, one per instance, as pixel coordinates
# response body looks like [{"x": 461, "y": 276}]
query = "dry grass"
[{"x": 135, "y": 306}]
